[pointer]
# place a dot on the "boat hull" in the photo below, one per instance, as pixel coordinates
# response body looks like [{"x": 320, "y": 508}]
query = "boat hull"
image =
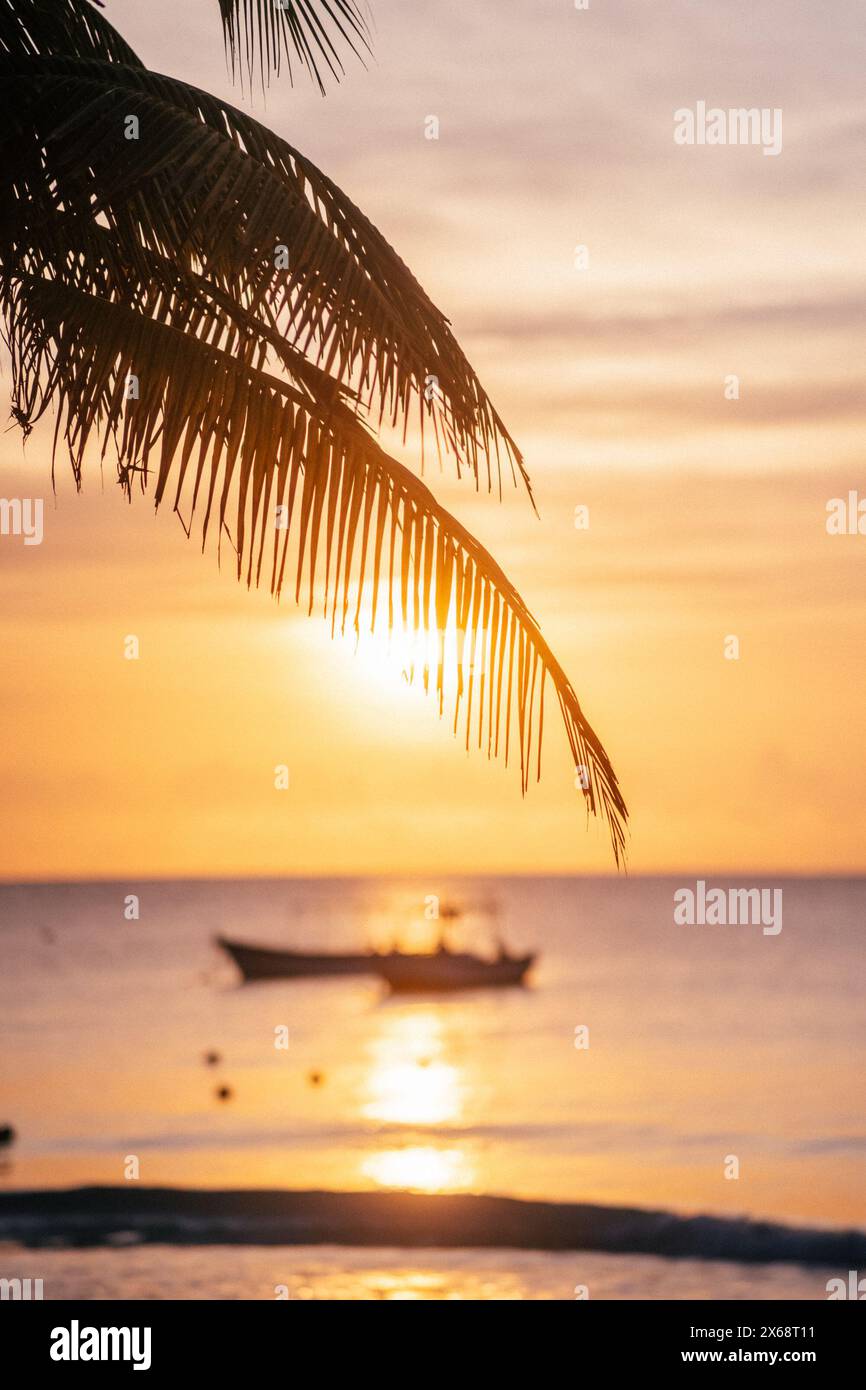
[
  {"x": 266, "y": 963},
  {"x": 448, "y": 971}
]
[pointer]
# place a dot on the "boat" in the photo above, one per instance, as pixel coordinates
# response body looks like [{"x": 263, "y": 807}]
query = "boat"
[
  {"x": 269, "y": 963},
  {"x": 451, "y": 970},
  {"x": 403, "y": 971}
]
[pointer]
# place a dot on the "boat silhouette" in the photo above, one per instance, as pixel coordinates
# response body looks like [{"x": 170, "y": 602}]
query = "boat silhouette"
[
  {"x": 403, "y": 971},
  {"x": 270, "y": 963}
]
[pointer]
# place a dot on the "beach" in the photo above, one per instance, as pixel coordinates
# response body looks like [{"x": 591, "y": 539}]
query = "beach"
[{"x": 329, "y": 1273}]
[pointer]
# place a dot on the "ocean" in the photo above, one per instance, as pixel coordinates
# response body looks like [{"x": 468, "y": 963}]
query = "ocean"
[{"x": 712, "y": 1069}]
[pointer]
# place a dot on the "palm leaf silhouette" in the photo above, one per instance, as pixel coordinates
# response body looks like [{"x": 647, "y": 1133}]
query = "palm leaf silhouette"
[
  {"x": 203, "y": 300},
  {"x": 260, "y": 36}
]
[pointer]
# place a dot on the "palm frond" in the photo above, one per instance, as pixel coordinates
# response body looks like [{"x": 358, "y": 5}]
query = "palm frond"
[
  {"x": 151, "y": 261},
  {"x": 237, "y": 443},
  {"x": 260, "y": 36},
  {"x": 70, "y": 28},
  {"x": 214, "y": 190}
]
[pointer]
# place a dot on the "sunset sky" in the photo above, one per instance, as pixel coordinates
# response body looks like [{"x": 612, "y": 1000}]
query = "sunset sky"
[{"x": 707, "y": 515}]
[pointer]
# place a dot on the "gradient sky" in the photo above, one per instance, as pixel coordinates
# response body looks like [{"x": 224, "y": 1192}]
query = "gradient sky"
[{"x": 707, "y": 516}]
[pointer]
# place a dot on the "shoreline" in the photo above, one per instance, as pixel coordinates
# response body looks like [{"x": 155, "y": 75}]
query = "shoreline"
[{"x": 124, "y": 1216}]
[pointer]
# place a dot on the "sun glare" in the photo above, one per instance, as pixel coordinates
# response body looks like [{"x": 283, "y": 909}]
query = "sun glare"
[{"x": 390, "y": 657}]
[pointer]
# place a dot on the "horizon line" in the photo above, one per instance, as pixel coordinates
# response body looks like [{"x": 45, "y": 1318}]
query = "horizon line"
[{"x": 307, "y": 877}]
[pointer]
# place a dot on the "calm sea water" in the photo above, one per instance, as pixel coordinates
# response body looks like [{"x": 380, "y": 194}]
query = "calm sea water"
[{"x": 706, "y": 1045}]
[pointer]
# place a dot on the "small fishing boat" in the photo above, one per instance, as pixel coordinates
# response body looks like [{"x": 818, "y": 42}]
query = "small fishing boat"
[
  {"x": 451, "y": 970},
  {"x": 441, "y": 970},
  {"x": 268, "y": 963}
]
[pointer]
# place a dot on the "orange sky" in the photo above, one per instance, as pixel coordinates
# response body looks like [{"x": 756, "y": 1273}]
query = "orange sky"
[{"x": 707, "y": 516}]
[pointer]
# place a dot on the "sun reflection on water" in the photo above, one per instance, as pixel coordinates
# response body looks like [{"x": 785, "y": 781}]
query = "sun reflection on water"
[
  {"x": 420, "y": 1168},
  {"x": 411, "y": 1081}
]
